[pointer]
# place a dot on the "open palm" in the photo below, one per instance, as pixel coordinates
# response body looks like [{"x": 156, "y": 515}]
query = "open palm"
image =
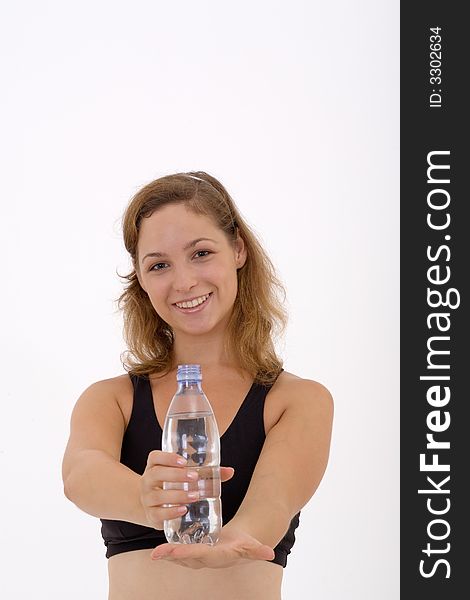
[{"x": 234, "y": 546}]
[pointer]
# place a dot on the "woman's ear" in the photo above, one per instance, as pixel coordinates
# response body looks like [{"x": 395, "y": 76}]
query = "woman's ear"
[{"x": 240, "y": 252}]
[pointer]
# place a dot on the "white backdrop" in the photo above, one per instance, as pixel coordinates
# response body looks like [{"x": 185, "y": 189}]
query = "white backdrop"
[{"x": 294, "y": 107}]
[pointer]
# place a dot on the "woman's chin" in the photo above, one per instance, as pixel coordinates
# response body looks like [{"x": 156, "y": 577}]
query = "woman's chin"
[
  {"x": 201, "y": 327},
  {"x": 193, "y": 328}
]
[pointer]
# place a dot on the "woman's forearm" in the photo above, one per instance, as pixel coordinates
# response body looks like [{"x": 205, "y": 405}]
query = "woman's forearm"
[
  {"x": 105, "y": 488},
  {"x": 266, "y": 522}
]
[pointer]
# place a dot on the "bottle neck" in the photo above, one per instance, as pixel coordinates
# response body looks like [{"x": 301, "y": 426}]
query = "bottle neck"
[{"x": 189, "y": 386}]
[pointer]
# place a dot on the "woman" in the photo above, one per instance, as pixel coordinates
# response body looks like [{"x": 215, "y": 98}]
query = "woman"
[{"x": 202, "y": 291}]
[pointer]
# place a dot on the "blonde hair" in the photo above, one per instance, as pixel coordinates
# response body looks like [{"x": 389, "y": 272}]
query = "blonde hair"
[{"x": 258, "y": 312}]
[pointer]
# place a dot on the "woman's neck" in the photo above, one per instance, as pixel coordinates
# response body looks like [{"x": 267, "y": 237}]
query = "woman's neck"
[{"x": 208, "y": 351}]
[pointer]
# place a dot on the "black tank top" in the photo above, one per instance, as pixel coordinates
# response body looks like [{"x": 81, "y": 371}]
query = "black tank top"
[{"x": 240, "y": 447}]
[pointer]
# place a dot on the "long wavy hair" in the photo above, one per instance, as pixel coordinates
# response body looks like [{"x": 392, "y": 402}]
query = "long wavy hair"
[{"x": 258, "y": 314}]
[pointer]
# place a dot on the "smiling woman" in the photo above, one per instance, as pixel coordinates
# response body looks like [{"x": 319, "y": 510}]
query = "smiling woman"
[
  {"x": 201, "y": 290},
  {"x": 194, "y": 289},
  {"x": 204, "y": 206}
]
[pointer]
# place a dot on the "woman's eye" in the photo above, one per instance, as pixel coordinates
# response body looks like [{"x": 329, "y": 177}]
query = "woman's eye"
[
  {"x": 158, "y": 267},
  {"x": 202, "y": 253}
]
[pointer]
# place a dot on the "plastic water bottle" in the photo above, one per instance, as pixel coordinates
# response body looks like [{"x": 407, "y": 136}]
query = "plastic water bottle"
[{"x": 191, "y": 430}]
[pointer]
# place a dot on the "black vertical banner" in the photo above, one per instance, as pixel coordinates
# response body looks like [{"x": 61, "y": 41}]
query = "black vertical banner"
[{"x": 435, "y": 258}]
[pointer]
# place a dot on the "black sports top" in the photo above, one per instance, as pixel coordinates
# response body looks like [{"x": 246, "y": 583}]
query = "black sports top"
[{"x": 240, "y": 447}]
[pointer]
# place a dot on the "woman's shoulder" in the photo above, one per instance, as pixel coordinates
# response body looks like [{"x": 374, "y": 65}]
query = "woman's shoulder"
[
  {"x": 299, "y": 401},
  {"x": 290, "y": 389},
  {"x": 112, "y": 391},
  {"x": 118, "y": 389},
  {"x": 112, "y": 384}
]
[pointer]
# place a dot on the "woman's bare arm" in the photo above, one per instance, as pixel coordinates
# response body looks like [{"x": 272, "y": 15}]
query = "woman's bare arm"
[
  {"x": 291, "y": 464},
  {"x": 93, "y": 477}
]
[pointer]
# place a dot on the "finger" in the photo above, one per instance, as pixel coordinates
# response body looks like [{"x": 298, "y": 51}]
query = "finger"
[
  {"x": 162, "y": 551},
  {"x": 226, "y": 473},
  {"x": 157, "y": 515},
  {"x": 161, "y": 497},
  {"x": 192, "y": 563},
  {"x": 260, "y": 552},
  {"x": 169, "y": 459},
  {"x": 265, "y": 553},
  {"x": 180, "y": 551},
  {"x": 154, "y": 476}
]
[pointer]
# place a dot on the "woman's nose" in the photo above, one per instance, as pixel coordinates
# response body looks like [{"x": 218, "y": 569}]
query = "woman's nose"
[{"x": 184, "y": 278}]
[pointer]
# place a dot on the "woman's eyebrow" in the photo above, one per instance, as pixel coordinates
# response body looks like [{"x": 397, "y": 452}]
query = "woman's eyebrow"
[{"x": 187, "y": 247}]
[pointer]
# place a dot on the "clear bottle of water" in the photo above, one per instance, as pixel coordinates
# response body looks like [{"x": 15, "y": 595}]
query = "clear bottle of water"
[{"x": 191, "y": 430}]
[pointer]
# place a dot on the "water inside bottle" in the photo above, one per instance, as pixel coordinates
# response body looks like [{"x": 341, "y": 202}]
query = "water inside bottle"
[{"x": 195, "y": 436}]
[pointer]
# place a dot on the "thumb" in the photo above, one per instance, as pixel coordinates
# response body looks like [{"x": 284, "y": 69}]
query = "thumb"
[
  {"x": 265, "y": 553},
  {"x": 226, "y": 473},
  {"x": 258, "y": 551}
]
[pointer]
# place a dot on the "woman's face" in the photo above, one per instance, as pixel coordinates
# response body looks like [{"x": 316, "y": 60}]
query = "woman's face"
[{"x": 188, "y": 267}]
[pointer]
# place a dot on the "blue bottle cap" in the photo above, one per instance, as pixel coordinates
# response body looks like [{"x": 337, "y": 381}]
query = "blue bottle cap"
[{"x": 189, "y": 373}]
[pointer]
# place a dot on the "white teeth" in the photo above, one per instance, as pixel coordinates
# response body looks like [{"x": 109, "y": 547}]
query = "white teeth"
[{"x": 192, "y": 303}]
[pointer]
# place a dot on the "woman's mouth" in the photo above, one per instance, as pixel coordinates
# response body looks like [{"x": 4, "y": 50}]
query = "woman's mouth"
[{"x": 193, "y": 305}]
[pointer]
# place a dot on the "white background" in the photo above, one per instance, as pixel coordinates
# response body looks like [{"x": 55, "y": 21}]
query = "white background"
[{"x": 294, "y": 107}]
